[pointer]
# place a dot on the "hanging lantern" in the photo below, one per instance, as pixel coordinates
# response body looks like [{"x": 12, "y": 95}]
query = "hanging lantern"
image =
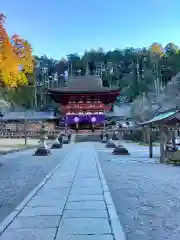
[
  {"x": 76, "y": 119},
  {"x": 93, "y": 119}
]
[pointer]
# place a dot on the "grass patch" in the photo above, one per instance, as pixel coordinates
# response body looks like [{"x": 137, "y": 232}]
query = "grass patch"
[
  {"x": 17, "y": 146},
  {"x": 146, "y": 144},
  {"x": 173, "y": 162}
]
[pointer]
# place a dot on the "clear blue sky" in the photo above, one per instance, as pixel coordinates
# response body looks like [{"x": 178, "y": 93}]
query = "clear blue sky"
[{"x": 59, "y": 27}]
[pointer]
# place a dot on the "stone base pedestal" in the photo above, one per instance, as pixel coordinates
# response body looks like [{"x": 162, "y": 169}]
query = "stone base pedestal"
[
  {"x": 67, "y": 139},
  {"x": 104, "y": 141},
  {"x": 110, "y": 144},
  {"x": 42, "y": 151},
  {"x": 115, "y": 138},
  {"x": 56, "y": 145},
  {"x": 120, "y": 150}
]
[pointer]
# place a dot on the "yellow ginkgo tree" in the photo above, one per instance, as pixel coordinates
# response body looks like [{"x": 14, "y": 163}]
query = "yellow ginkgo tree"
[
  {"x": 157, "y": 49},
  {"x": 16, "y": 58}
]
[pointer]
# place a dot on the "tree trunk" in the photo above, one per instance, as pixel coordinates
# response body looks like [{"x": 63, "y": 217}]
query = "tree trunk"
[
  {"x": 162, "y": 151},
  {"x": 150, "y": 142}
]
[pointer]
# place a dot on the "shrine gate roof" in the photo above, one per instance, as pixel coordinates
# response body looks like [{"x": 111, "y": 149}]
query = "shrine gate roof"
[{"x": 84, "y": 84}]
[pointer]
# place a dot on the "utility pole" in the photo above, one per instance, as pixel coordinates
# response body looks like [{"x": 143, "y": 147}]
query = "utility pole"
[
  {"x": 157, "y": 82},
  {"x": 46, "y": 83},
  {"x": 110, "y": 79},
  {"x": 87, "y": 66},
  {"x": 71, "y": 68},
  {"x": 138, "y": 77},
  {"x": 157, "y": 79},
  {"x": 25, "y": 127},
  {"x": 101, "y": 70},
  {"x": 35, "y": 95},
  {"x": 42, "y": 87}
]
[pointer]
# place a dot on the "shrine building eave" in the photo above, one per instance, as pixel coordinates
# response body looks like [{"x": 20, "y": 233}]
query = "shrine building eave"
[
  {"x": 62, "y": 96},
  {"x": 84, "y": 86},
  {"x": 66, "y": 91}
]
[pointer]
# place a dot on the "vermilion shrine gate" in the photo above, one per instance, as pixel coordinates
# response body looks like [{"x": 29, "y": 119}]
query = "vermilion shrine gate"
[{"x": 84, "y": 101}]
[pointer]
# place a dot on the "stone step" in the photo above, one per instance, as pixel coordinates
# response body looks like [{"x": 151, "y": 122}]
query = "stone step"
[{"x": 87, "y": 138}]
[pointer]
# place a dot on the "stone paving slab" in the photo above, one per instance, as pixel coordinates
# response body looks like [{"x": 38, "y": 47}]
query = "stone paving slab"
[
  {"x": 80, "y": 180},
  {"x": 87, "y": 176},
  {"x": 78, "y": 197},
  {"x": 87, "y": 184},
  {"x": 38, "y": 222},
  {"x": 95, "y": 205},
  {"x": 54, "y": 194},
  {"x": 41, "y": 211},
  {"x": 76, "y": 226},
  {"x": 51, "y": 192},
  {"x": 39, "y": 198},
  {"x": 70, "y": 206},
  {"x": 55, "y": 189},
  {"x": 85, "y": 213},
  {"x": 52, "y": 202},
  {"x": 87, "y": 237},
  {"x": 87, "y": 190},
  {"x": 55, "y": 184},
  {"x": 29, "y": 234}
]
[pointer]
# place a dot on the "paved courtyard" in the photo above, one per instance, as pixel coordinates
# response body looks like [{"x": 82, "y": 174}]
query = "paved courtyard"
[
  {"x": 146, "y": 194},
  {"x": 73, "y": 203}
]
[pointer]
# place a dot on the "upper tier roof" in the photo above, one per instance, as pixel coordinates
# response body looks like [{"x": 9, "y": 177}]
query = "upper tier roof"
[{"x": 83, "y": 84}]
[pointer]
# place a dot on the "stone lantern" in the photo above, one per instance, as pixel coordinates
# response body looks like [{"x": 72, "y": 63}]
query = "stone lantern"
[
  {"x": 58, "y": 142},
  {"x": 42, "y": 150},
  {"x": 60, "y": 139},
  {"x": 104, "y": 137}
]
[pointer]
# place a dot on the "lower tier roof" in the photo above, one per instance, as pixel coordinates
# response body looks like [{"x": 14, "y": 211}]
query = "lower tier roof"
[{"x": 62, "y": 98}]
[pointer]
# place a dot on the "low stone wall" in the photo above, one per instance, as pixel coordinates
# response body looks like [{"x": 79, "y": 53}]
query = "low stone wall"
[
  {"x": 21, "y": 134},
  {"x": 31, "y": 126},
  {"x": 16, "y": 129}
]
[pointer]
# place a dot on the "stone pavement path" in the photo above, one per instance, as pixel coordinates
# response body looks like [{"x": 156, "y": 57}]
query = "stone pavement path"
[{"x": 74, "y": 204}]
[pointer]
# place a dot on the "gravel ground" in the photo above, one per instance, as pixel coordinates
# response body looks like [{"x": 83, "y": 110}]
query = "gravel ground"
[
  {"x": 21, "y": 172},
  {"x": 146, "y": 194}
]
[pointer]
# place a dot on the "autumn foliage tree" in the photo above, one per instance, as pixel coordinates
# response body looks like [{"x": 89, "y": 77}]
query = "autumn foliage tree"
[{"x": 15, "y": 58}]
